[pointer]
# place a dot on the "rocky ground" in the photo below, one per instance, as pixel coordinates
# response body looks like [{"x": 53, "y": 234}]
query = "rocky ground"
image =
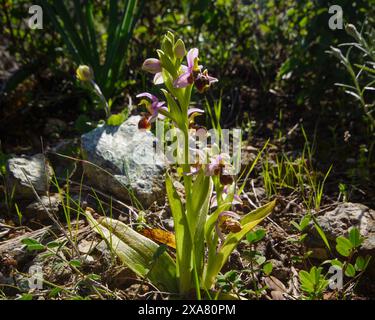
[{"x": 52, "y": 191}]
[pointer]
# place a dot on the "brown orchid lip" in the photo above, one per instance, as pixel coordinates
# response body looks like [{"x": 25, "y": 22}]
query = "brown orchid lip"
[
  {"x": 144, "y": 124},
  {"x": 226, "y": 179}
]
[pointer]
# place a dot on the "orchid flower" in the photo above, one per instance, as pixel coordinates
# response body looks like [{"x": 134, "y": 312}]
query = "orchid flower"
[
  {"x": 144, "y": 123},
  {"x": 153, "y": 66},
  {"x": 154, "y": 107},
  {"x": 192, "y": 73},
  {"x": 194, "y": 112},
  {"x": 227, "y": 222},
  {"x": 203, "y": 81},
  {"x": 236, "y": 198}
]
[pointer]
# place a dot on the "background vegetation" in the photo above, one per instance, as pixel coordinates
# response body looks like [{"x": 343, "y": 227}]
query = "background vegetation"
[{"x": 281, "y": 79}]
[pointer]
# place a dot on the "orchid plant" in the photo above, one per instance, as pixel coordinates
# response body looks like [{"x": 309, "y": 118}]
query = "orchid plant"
[{"x": 207, "y": 229}]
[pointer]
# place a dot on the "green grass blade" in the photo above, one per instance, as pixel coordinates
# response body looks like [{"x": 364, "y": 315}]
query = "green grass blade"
[{"x": 69, "y": 25}]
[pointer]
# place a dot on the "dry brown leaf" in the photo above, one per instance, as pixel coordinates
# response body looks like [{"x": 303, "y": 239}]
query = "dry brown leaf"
[
  {"x": 159, "y": 235},
  {"x": 277, "y": 295},
  {"x": 275, "y": 284}
]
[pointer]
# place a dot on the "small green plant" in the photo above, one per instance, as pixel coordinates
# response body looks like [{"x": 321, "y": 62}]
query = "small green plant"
[
  {"x": 348, "y": 247},
  {"x": 343, "y": 192},
  {"x": 313, "y": 283},
  {"x": 361, "y": 74},
  {"x": 214, "y": 113},
  {"x": 258, "y": 263},
  {"x": 86, "y": 76},
  {"x": 301, "y": 227},
  {"x": 289, "y": 174},
  {"x": 246, "y": 282}
]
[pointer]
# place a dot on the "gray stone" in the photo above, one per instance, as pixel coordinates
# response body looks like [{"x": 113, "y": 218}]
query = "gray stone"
[
  {"x": 21, "y": 171},
  {"x": 123, "y": 162},
  {"x": 37, "y": 210},
  {"x": 338, "y": 222},
  {"x": 346, "y": 215}
]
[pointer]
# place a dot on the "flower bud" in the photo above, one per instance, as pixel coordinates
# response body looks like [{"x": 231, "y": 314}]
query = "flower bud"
[
  {"x": 84, "y": 73},
  {"x": 152, "y": 65},
  {"x": 179, "y": 49},
  {"x": 352, "y": 31},
  {"x": 337, "y": 53}
]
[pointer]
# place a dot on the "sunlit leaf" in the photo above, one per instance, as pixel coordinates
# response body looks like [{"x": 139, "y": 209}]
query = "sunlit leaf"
[{"x": 137, "y": 252}]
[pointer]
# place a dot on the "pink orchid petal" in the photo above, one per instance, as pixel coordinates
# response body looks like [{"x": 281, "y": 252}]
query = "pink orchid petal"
[
  {"x": 182, "y": 81},
  {"x": 147, "y": 95},
  {"x": 237, "y": 199},
  {"x": 184, "y": 68},
  {"x": 158, "y": 79},
  {"x": 214, "y": 201},
  {"x": 191, "y": 111},
  {"x": 212, "y": 79}
]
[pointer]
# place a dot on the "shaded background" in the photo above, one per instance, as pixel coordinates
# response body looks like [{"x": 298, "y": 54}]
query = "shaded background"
[{"x": 270, "y": 57}]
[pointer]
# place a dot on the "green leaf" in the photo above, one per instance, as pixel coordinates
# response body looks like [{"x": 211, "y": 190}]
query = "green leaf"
[
  {"x": 361, "y": 263},
  {"x": 33, "y": 245},
  {"x": 167, "y": 63},
  {"x": 94, "y": 277},
  {"x": 26, "y": 296},
  {"x": 305, "y": 222},
  {"x": 53, "y": 244},
  {"x": 137, "y": 252},
  {"x": 54, "y": 292},
  {"x": 355, "y": 237},
  {"x": 336, "y": 263},
  {"x": 198, "y": 210},
  {"x": 296, "y": 225},
  {"x": 267, "y": 268},
  {"x": 256, "y": 236},
  {"x": 248, "y": 222},
  {"x": 321, "y": 233},
  {"x": 350, "y": 270},
  {"x": 183, "y": 240},
  {"x": 343, "y": 246},
  {"x": 174, "y": 110},
  {"x": 307, "y": 284},
  {"x": 116, "y": 119},
  {"x": 75, "y": 263},
  {"x": 260, "y": 259}
]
